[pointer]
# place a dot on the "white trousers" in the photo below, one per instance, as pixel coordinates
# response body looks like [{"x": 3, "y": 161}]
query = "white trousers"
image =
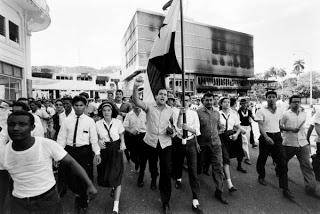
[{"x": 246, "y": 141}]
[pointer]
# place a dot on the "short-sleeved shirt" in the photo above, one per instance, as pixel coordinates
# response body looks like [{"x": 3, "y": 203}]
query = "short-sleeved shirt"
[
  {"x": 230, "y": 120},
  {"x": 270, "y": 120},
  {"x": 157, "y": 122},
  {"x": 115, "y": 128},
  {"x": 138, "y": 122},
  {"x": 31, "y": 169},
  {"x": 209, "y": 122},
  {"x": 293, "y": 120}
]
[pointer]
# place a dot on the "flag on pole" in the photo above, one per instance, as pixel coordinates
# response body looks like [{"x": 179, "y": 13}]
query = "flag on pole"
[{"x": 162, "y": 60}]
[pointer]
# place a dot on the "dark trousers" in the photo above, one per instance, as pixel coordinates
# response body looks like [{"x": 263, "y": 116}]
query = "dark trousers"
[
  {"x": 164, "y": 156},
  {"x": 213, "y": 154},
  {"x": 303, "y": 155},
  {"x": 276, "y": 151},
  {"x": 84, "y": 156},
  {"x": 48, "y": 203},
  {"x": 188, "y": 151}
]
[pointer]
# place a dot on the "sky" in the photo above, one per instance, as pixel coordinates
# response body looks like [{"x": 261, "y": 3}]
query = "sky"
[{"x": 89, "y": 33}]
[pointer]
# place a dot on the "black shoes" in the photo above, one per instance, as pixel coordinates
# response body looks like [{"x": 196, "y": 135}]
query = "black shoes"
[
  {"x": 262, "y": 181},
  {"x": 218, "y": 195},
  {"x": 153, "y": 185},
  {"x": 178, "y": 185},
  {"x": 197, "y": 209},
  {"x": 240, "y": 169},
  {"x": 166, "y": 209},
  {"x": 232, "y": 189},
  {"x": 287, "y": 194}
]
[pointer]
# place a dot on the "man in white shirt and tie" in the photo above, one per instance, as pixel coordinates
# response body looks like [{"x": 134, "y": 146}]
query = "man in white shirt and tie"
[
  {"x": 79, "y": 137},
  {"x": 189, "y": 149}
]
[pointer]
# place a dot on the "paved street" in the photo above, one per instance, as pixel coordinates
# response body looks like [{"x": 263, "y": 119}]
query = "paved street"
[{"x": 250, "y": 198}]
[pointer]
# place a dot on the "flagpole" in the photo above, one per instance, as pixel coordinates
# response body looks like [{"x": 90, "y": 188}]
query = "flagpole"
[{"x": 184, "y": 119}]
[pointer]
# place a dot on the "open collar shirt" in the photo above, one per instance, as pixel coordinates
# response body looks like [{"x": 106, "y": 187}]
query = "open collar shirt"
[
  {"x": 157, "y": 122},
  {"x": 292, "y": 120},
  {"x": 134, "y": 121},
  {"x": 86, "y": 132},
  {"x": 209, "y": 121},
  {"x": 271, "y": 121}
]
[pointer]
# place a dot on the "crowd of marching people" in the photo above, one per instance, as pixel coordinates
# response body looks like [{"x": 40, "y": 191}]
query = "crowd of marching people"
[{"x": 49, "y": 147}]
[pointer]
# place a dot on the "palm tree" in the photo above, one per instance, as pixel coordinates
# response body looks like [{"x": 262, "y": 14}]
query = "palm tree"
[
  {"x": 272, "y": 72},
  {"x": 298, "y": 67}
]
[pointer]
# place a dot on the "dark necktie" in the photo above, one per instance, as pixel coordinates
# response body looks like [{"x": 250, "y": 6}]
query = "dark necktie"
[
  {"x": 226, "y": 118},
  {"x": 75, "y": 132}
]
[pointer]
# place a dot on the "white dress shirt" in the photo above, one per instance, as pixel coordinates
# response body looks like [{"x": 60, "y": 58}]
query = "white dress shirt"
[
  {"x": 134, "y": 121},
  {"x": 192, "y": 121},
  {"x": 233, "y": 119},
  {"x": 63, "y": 116},
  {"x": 115, "y": 130},
  {"x": 86, "y": 132}
]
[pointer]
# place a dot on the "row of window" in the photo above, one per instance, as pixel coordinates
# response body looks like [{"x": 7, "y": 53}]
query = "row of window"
[
  {"x": 10, "y": 70},
  {"x": 64, "y": 77},
  {"x": 13, "y": 29}
]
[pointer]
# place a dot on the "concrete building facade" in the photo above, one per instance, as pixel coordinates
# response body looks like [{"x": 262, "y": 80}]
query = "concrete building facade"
[
  {"x": 216, "y": 59},
  {"x": 18, "y": 19}
]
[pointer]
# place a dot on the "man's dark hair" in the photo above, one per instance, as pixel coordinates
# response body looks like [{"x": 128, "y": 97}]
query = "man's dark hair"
[
  {"x": 37, "y": 103},
  {"x": 21, "y": 99},
  {"x": 292, "y": 97},
  {"x": 271, "y": 92},
  {"x": 24, "y": 106},
  {"x": 79, "y": 99},
  {"x": 23, "y": 113},
  {"x": 207, "y": 94},
  {"x": 114, "y": 113},
  {"x": 162, "y": 89},
  {"x": 119, "y": 90},
  {"x": 84, "y": 94}
]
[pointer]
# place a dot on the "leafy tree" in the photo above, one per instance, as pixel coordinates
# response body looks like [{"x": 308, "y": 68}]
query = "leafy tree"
[{"x": 298, "y": 67}]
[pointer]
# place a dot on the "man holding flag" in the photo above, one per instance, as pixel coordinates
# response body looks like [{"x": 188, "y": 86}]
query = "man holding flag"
[
  {"x": 162, "y": 61},
  {"x": 158, "y": 139}
]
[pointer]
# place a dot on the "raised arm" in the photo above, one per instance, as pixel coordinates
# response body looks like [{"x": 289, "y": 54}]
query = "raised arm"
[{"x": 135, "y": 96}]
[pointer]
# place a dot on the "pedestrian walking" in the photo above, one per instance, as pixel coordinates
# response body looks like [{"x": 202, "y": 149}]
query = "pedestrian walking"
[
  {"x": 295, "y": 143},
  {"x": 111, "y": 141},
  {"x": 28, "y": 160},
  {"x": 158, "y": 140},
  {"x": 210, "y": 144},
  {"x": 78, "y": 135},
  {"x": 270, "y": 142}
]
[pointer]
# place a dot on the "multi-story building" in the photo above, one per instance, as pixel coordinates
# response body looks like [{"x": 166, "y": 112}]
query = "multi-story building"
[
  {"x": 18, "y": 19},
  {"x": 56, "y": 82},
  {"x": 216, "y": 59}
]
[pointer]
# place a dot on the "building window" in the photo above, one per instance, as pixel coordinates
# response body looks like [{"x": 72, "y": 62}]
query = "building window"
[
  {"x": 13, "y": 32},
  {"x": 2, "y": 26}
]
